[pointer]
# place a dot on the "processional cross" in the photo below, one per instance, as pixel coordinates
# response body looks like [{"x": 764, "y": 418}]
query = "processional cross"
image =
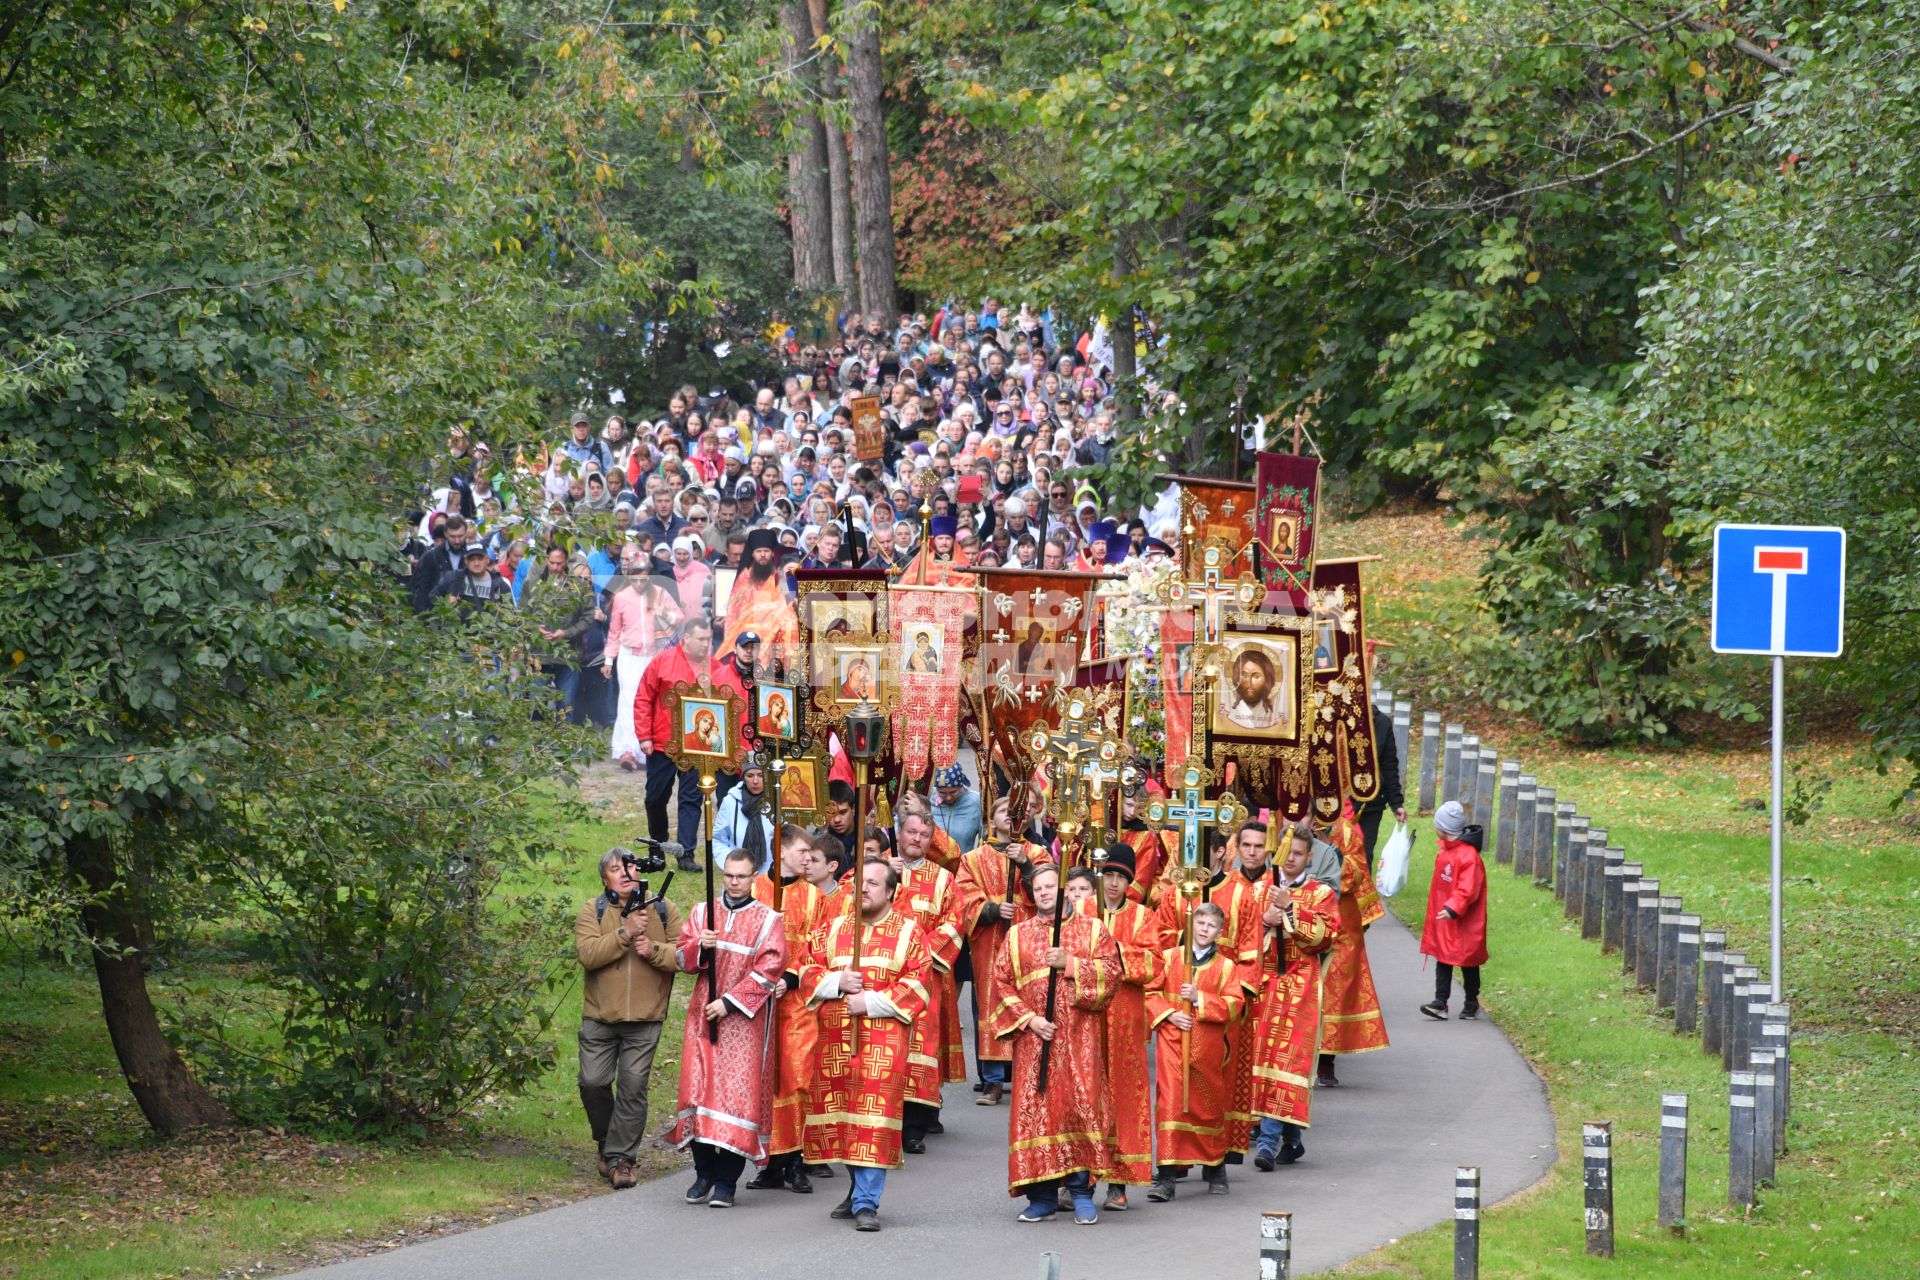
[{"x": 1210, "y": 591}]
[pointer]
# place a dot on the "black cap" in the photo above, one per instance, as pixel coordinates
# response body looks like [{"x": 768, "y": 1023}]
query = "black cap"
[{"x": 1120, "y": 858}]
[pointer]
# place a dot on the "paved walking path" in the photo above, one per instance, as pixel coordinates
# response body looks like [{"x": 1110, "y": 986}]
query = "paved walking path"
[{"x": 1380, "y": 1162}]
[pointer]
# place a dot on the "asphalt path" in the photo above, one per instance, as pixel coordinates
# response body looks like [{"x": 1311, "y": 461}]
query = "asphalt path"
[{"x": 1380, "y": 1164}]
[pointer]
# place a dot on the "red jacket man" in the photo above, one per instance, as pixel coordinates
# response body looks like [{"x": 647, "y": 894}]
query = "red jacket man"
[
  {"x": 1455, "y": 931},
  {"x": 685, "y": 661}
]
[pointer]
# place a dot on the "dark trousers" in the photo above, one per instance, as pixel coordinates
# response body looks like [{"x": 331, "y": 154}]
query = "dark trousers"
[
  {"x": 718, "y": 1165},
  {"x": 661, "y": 775},
  {"x": 1443, "y": 982},
  {"x": 1370, "y": 830},
  {"x": 918, "y": 1119},
  {"x": 593, "y": 698},
  {"x": 622, "y": 1053}
]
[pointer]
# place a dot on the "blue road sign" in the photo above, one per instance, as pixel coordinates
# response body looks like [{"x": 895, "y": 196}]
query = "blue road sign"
[{"x": 1779, "y": 589}]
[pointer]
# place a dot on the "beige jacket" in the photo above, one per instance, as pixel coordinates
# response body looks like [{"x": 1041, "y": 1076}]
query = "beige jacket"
[{"x": 620, "y": 986}]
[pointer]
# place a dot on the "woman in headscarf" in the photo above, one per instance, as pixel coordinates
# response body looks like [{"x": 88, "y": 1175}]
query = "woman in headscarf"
[
  {"x": 598, "y": 496},
  {"x": 690, "y": 572},
  {"x": 637, "y": 615}
]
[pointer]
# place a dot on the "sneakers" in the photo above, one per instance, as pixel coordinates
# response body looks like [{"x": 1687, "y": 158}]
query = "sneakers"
[
  {"x": 699, "y": 1191},
  {"x": 620, "y": 1173},
  {"x": 722, "y": 1198},
  {"x": 1470, "y": 1012},
  {"x": 1161, "y": 1191},
  {"x": 1263, "y": 1161},
  {"x": 1037, "y": 1213},
  {"x": 1084, "y": 1214},
  {"x": 1290, "y": 1153},
  {"x": 991, "y": 1096},
  {"x": 1116, "y": 1201},
  {"x": 1435, "y": 1010}
]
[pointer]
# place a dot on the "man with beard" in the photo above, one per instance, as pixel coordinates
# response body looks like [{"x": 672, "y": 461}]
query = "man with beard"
[
  {"x": 991, "y": 885},
  {"x": 759, "y": 604},
  {"x": 1255, "y": 702},
  {"x": 927, "y": 895}
]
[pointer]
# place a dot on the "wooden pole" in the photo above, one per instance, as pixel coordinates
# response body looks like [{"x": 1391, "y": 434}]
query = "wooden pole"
[{"x": 707, "y": 783}]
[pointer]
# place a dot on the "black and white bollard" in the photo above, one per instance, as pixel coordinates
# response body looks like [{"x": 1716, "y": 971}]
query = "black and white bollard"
[
  {"x": 1276, "y": 1245},
  {"x": 1509, "y": 801},
  {"x": 1429, "y": 759},
  {"x": 1618, "y": 874},
  {"x": 1484, "y": 787},
  {"x": 1777, "y": 1035},
  {"x": 1686, "y": 974},
  {"x": 1740, "y": 1140},
  {"x": 1523, "y": 802},
  {"x": 1596, "y": 1151},
  {"x": 1450, "y": 763},
  {"x": 1466, "y": 1224},
  {"x": 1593, "y": 907},
  {"x": 1625, "y": 933},
  {"x": 1574, "y": 883},
  {"x": 1733, "y": 993},
  {"x": 1544, "y": 805},
  {"x": 1646, "y": 927},
  {"x": 1563, "y": 814},
  {"x": 1761, "y": 1061},
  {"x": 1467, "y": 775},
  {"x": 1667, "y": 955},
  {"x": 1713, "y": 959},
  {"x": 1673, "y": 1162},
  {"x": 1402, "y": 730}
]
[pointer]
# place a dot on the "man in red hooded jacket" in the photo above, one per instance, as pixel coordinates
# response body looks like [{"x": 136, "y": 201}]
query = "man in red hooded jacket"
[
  {"x": 690, "y": 661},
  {"x": 1456, "y": 924}
]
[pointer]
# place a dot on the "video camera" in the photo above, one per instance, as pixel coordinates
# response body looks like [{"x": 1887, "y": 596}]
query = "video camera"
[{"x": 655, "y": 860}]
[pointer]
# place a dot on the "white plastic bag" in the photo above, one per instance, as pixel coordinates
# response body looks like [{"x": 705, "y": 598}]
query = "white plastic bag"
[{"x": 1394, "y": 856}]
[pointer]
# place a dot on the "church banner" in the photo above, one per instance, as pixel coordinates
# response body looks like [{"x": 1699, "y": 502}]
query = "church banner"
[
  {"x": 1289, "y": 498},
  {"x": 1214, "y": 512},
  {"x": 929, "y": 628},
  {"x": 1033, "y": 629},
  {"x": 1345, "y": 757}
]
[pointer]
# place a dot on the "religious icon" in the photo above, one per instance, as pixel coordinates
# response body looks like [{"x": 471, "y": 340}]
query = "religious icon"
[
  {"x": 703, "y": 727},
  {"x": 773, "y": 714},
  {"x": 829, "y": 617},
  {"x": 800, "y": 787},
  {"x": 1326, "y": 659},
  {"x": 926, "y": 648},
  {"x": 1035, "y": 656},
  {"x": 1283, "y": 537},
  {"x": 856, "y": 674},
  {"x": 1259, "y": 688}
]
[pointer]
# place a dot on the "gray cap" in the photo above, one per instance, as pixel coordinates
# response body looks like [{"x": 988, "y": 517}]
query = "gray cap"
[{"x": 1450, "y": 819}]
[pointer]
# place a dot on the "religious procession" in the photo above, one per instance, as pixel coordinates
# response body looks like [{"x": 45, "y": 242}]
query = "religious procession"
[{"x": 1119, "y": 800}]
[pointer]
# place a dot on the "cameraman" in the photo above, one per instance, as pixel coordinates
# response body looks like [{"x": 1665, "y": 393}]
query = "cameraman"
[{"x": 626, "y": 947}]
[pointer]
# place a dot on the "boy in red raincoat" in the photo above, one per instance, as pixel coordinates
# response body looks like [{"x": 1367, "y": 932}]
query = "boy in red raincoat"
[{"x": 1456, "y": 925}]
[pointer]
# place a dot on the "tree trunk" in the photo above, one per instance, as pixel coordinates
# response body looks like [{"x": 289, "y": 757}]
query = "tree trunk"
[
  {"x": 170, "y": 1098},
  {"x": 1120, "y": 331},
  {"x": 678, "y": 342},
  {"x": 839, "y": 175},
  {"x": 872, "y": 186},
  {"x": 807, "y": 160}
]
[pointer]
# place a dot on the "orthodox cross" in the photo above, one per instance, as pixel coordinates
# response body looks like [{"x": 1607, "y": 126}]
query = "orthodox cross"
[
  {"x": 1071, "y": 751},
  {"x": 1189, "y": 809},
  {"x": 1212, "y": 590}
]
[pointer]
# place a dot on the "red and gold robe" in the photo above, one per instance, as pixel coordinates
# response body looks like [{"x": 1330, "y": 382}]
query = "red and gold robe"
[
  {"x": 1350, "y": 1020},
  {"x": 1243, "y": 900},
  {"x": 1064, "y": 1130},
  {"x": 944, "y": 851},
  {"x": 1153, "y": 852},
  {"x": 1141, "y": 938},
  {"x": 797, "y": 1026},
  {"x": 857, "y": 1102},
  {"x": 1287, "y": 1029},
  {"x": 1197, "y": 1133},
  {"x": 926, "y": 894},
  {"x": 726, "y": 1085},
  {"x": 762, "y": 608},
  {"x": 986, "y": 875}
]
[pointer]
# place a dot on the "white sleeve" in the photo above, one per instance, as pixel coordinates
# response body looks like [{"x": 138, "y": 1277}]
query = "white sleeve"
[
  {"x": 829, "y": 988},
  {"x": 878, "y": 1006}
]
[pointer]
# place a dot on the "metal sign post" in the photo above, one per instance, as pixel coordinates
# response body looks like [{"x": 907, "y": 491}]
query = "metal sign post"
[{"x": 1780, "y": 591}]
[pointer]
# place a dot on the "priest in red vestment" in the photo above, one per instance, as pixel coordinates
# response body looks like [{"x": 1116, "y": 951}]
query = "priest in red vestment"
[
  {"x": 1057, "y": 1138},
  {"x": 798, "y": 1027},
  {"x": 1141, "y": 938},
  {"x": 1152, "y": 850},
  {"x": 759, "y": 604},
  {"x": 993, "y": 897},
  {"x": 1350, "y": 1019},
  {"x": 926, "y": 895},
  {"x": 1194, "y": 997},
  {"x": 1301, "y": 921},
  {"x": 726, "y": 1083},
  {"x": 867, "y": 1012}
]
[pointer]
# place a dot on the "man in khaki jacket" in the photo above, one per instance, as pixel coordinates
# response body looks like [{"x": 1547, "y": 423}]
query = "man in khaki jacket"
[{"x": 629, "y": 961}]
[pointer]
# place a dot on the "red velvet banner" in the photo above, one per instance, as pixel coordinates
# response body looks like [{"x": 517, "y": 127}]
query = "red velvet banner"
[{"x": 1288, "y": 507}]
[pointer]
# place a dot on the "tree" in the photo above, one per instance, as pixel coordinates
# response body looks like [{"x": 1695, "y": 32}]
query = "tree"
[
  {"x": 839, "y": 176},
  {"x": 810, "y": 199},
  {"x": 872, "y": 182}
]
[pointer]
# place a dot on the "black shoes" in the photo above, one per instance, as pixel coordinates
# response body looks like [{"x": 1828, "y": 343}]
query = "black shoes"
[
  {"x": 866, "y": 1220},
  {"x": 797, "y": 1181},
  {"x": 1161, "y": 1191},
  {"x": 1263, "y": 1162},
  {"x": 1291, "y": 1152},
  {"x": 934, "y": 1126},
  {"x": 1216, "y": 1180},
  {"x": 844, "y": 1209},
  {"x": 1435, "y": 1010},
  {"x": 768, "y": 1179},
  {"x": 1470, "y": 1012},
  {"x": 914, "y": 1146}
]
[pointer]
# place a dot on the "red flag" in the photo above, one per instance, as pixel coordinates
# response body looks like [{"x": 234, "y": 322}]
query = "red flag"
[
  {"x": 1033, "y": 629},
  {"x": 1289, "y": 498}
]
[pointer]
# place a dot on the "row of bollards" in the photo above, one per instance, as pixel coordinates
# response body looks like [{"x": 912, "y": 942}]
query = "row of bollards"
[{"x": 1664, "y": 950}]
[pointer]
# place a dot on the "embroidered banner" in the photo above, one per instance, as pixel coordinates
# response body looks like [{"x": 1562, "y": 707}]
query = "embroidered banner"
[
  {"x": 1289, "y": 497},
  {"x": 1214, "y": 513},
  {"x": 929, "y": 627},
  {"x": 1345, "y": 758},
  {"x": 1033, "y": 629}
]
